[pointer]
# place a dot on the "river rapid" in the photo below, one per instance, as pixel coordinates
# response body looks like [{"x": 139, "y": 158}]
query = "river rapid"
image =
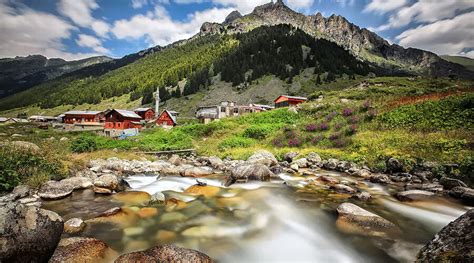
[{"x": 287, "y": 220}]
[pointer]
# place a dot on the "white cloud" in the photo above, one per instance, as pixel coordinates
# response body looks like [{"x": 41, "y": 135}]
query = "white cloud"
[
  {"x": 91, "y": 42},
  {"x": 160, "y": 29},
  {"x": 384, "y": 6},
  {"x": 424, "y": 11},
  {"x": 448, "y": 36},
  {"x": 80, "y": 12},
  {"x": 139, "y": 3},
  {"x": 25, "y": 31},
  {"x": 300, "y": 4}
]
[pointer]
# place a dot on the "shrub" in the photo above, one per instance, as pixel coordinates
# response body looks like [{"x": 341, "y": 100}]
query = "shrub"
[
  {"x": 331, "y": 116},
  {"x": 335, "y": 136},
  {"x": 84, "y": 143},
  {"x": 371, "y": 114},
  {"x": 235, "y": 142},
  {"x": 340, "y": 143},
  {"x": 295, "y": 142},
  {"x": 317, "y": 139},
  {"x": 354, "y": 119},
  {"x": 367, "y": 105},
  {"x": 323, "y": 126},
  {"x": 347, "y": 112},
  {"x": 311, "y": 127},
  {"x": 278, "y": 142},
  {"x": 258, "y": 132},
  {"x": 338, "y": 126},
  {"x": 351, "y": 130}
]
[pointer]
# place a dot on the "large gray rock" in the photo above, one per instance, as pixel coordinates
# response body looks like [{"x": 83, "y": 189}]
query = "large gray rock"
[
  {"x": 74, "y": 226},
  {"x": 196, "y": 172},
  {"x": 314, "y": 158},
  {"x": 28, "y": 233},
  {"x": 380, "y": 178},
  {"x": 394, "y": 165},
  {"x": 157, "y": 198},
  {"x": 78, "y": 182},
  {"x": 81, "y": 249},
  {"x": 111, "y": 182},
  {"x": 330, "y": 164},
  {"x": 355, "y": 220},
  {"x": 216, "y": 163},
  {"x": 414, "y": 195},
  {"x": 165, "y": 253},
  {"x": 290, "y": 156},
  {"x": 454, "y": 243},
  {"x": 450, "y": 183},
  {"x": 53, "y": 190},
  {"x": 466, "y": 194},
  {"x": 249, "y": 171},
  {"x": 302, "y": 163},
  {"x": 263, "y": 157},
  {"x": 27, "y": 146}
]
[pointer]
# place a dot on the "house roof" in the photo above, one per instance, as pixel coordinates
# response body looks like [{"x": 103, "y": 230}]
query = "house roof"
[
  {"x": 3, "y": 119},
  {"x": 173, "y": 117},
  {"x": 142, "y": 109},
  {"x": 128, "y": 114},
  {"x": 80, "y": 112},
  {"x": 292, "y": 97}
]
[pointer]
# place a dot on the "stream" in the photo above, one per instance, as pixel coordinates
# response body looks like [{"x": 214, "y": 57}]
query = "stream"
[{"x": 287, "y": 220}]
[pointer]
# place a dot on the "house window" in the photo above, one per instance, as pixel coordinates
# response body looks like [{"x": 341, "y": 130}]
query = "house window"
[
  {"x": 236, "y": 110},
  {"x": 222, "y": 109}
]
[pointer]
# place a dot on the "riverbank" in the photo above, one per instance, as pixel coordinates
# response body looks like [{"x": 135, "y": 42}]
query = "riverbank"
[{"x": 134, "y": 205}]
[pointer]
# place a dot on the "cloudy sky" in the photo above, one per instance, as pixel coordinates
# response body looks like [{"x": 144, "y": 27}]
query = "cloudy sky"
[{"x": 74, "y": 29}]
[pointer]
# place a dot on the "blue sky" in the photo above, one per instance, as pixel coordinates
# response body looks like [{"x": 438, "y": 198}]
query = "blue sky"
[{"x": 74, "y": 29}]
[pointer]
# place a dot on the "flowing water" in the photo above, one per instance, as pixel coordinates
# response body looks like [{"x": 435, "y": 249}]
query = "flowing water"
[{"x": 288, "y": 220}]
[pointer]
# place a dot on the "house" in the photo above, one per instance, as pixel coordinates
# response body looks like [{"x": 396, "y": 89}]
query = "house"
[
  {"x": 288, "y": 101},
  {"x": 225, "y": 109},
  {"x": 263, "y": 107},
  {"x": 79, "y": 117},
  {"x": 19, "y": 120},
  {"x": 4, "y": 120},
  {"x": 147, "y": 114},
  {"x": 39, "y": 118},
  {"x": 167, "y": 118},
  {"x": 122, "y": 120}
]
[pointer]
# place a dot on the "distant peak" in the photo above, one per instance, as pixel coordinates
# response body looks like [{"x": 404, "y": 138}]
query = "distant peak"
[{"x": 232, "y": 17}]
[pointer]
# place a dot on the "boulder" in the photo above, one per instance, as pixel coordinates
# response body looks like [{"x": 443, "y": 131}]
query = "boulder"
[
  {"x": 175, "y": 160},
  {"x": 466, "y": 194},
  {"x": 454, "y": 243},
  {"x": 78, "y": 182},
  {"x": 364, "y": 173},
  {"x": 290, "y": 156},
  {"x": 314, "y": 158},
  {"x": 355, "y": 220},
  {"x": 363, "y": 196},
  {"x": 74, "y": 226},
  {"x": 414, "y": 195},
  {"x": 81, "y": 249},
  {"x": 27, "y": 146},
  {"x": 330, "y": 164},
  {"x": 21, "y": 191},
  {"x": 277, "y": 169},
  {"x": 328, "y": 179},
  {"x": 165, "y": 253},
  {"x": 450, "y": 183},
  {"x": 294, "y": 167},
  {"x": 343, "y": 188},
  {"x": 53, "y": 190},
  {"x": 196, "y": 172},
  {"x": 302, "y": 163},
  {"x": 109, "y": 181},
  {"x": 394, "y": 165},
  {"x": 263, "y": 157},
  {"x": 216, "y": 163},
  {"x": 249, "y": 171},
  {"x": 380, "y": 178},
  {"x": 28, "y": 233},
  {"x": 102, "y": 190},
  {"x": 157, "y": 198}
]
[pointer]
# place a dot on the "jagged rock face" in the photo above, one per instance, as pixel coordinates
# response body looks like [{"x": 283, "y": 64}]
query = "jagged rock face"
[
  {"x": 362, "y": 43},
  {"x": 232, "y": 17}
]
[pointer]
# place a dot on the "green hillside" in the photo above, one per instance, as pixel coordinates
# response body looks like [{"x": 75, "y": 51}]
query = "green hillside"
[
  {"x": 280, "y": 52},
  {"x": 465, "y": 61}
]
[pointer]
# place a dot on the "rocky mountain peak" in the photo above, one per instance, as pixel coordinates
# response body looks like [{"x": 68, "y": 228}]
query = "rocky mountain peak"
[{"x": 232, "y": 17}]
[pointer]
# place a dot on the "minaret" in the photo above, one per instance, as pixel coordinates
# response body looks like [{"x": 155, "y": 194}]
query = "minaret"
[{"x": 157, "y": 103}]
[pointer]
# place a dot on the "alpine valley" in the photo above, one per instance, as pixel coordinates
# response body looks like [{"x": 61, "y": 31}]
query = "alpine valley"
[{"x": 273, "y": 50}]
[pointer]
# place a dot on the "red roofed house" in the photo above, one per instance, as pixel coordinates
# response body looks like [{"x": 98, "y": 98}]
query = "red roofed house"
[
  {"x": 289, "y": 101},
  {"x": 122, "y": 120},
  {"x": 147, "y": 114},
  {"x": 73, "y": 117},
  {"x": 167, "y": 118}
]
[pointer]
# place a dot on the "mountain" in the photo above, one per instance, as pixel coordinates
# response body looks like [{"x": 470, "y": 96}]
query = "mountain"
[
  {"x": 362, "y": 43},
  {"x": 20, "y": 73},
  {"x": 464, "y": 61},
  {"x": 273, "y": 44}
]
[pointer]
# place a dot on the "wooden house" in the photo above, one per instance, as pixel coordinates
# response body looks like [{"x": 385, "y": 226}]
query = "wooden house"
[
  {"x": 147, "y": 114},
  {"x": 289, "y": 101},
  {"x": 167, "y": 118},
  {"x": 122, "y": 120},
  {"x": 40, "y": 118},
  {"x": 77, "y": 117},
  {"x": 226, "y": 109}
]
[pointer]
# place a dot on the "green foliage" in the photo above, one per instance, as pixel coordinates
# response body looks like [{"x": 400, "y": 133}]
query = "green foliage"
[
  {"x": 449, "y": 113},
  {"x": 259, "y": 131},
  {"x": 236, "y": 142},
  {"x": 84, "y": 143},
  {"x": 19, "y": 164}
]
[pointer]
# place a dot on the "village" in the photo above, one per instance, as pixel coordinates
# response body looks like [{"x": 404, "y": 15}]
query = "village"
[{"x": 119, "y": 123}]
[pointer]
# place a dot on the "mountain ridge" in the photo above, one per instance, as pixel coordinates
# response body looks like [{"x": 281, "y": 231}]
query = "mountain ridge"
[{"x": 361, "y": 42}]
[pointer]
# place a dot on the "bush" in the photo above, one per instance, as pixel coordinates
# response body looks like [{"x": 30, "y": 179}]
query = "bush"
[
  {"x": 258, "y": 132},
  {"x": 347, "y": 112},
  {"x": 84, "y": 143},
  {"x": 311, "y": 127},
  {"x": 235, "y": 142},
  {"x": 295, "y": 142}
]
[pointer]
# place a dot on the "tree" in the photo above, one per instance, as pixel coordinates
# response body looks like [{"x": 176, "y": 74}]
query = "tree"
[{"x": 318, "y": 80}]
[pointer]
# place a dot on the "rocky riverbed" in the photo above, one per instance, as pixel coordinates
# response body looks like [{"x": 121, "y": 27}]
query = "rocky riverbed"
[{"x": 235, "y": 210}]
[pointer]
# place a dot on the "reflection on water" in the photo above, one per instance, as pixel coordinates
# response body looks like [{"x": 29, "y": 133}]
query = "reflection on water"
[{"x": 272, "y": 221}]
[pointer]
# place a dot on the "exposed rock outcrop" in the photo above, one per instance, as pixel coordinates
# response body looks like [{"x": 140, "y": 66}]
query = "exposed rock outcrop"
[
  {"x": 81, "y": 249},
  {"x": 454, "y": 243},
  {"x": 249, "y": 171},
  {"x": 165, "y": 253}
]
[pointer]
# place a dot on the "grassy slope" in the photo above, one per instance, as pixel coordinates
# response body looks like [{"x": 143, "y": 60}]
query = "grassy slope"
[{"x": 465, "y": 61}]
